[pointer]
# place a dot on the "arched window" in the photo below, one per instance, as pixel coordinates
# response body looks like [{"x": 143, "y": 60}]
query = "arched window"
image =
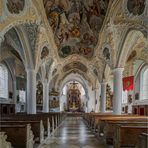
[
  {"x": 3, "y": 81},
  {"x": 145, "y": 84}
]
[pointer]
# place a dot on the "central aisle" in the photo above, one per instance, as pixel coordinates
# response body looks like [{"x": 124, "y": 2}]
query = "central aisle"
[{"x": 73, "y": 133}]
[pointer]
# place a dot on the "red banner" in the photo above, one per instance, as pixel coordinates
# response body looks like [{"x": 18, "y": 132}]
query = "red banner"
[{"x": 128, "y": 83}]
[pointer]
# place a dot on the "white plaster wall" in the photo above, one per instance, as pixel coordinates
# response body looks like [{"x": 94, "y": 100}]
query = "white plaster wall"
[
  {"x": 98, "y": 94},
  {"x": 63, "y": 99},
  {"x": 91, "y": 101}
]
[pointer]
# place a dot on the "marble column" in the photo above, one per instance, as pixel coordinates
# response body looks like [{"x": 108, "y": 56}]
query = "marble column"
[
  {"x": 118, "y": 89},
  {"x": 45, "y": 97},
  {"x": 103, "y": 98},
  {"x": 31, "y": 91}
]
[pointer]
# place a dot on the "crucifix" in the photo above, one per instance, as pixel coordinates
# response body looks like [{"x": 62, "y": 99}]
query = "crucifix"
[{"x": 73, "y": 84}]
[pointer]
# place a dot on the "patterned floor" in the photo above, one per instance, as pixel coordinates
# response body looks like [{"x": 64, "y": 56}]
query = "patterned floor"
[{"x": 73, "y": 133}]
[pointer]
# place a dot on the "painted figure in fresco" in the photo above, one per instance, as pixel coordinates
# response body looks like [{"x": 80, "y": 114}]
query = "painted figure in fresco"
[
  {"x": 106, "y": 53},
  {"x": 65, "y": 51},
  {"x": 136, "y": 6},
  {"x": 76, "y": 24},
  {"x": 15, "y": 6},
  {"x": 44, "y": 53}
]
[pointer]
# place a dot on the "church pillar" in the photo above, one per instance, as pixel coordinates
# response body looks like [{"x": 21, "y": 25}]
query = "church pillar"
[
  {"x": 31, "y": 91},
  {"x": 14, "y": 93},
  {"x": 103, "y": 98},
  {"x": 45, "y": 97},
  {"x": 118, "y": 87},
  {"x": 1, "y": 40}
]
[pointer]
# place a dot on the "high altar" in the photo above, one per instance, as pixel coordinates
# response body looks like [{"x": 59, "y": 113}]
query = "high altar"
[{"x": 74, "y": 103}]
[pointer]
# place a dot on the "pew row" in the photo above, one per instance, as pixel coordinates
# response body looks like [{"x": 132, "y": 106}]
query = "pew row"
[
  {"x": 127, "y": 136},
  {"x": 142, "y": 141},
  {"x": 42, "y": 125},
  {"x": 105, "y": 125},
  {"x": 36, "y": 127},
  {"x": 20, "y": 136}
]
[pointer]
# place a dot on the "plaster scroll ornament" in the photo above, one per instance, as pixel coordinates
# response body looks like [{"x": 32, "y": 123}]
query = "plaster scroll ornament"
[
  {"x": 136, "y": 7},
  {"x": 15, "y": 6}
]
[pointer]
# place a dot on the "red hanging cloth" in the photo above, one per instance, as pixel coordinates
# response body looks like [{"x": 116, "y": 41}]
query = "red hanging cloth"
[{"x": 128, "y": 83}]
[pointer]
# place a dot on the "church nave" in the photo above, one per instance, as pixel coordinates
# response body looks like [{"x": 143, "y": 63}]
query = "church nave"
[
  {"x": 73, "y": 73},
  {"x": 73, "y": 133}
]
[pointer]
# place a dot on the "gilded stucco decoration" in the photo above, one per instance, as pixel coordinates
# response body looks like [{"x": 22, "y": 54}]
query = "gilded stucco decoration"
[
  {"x": 76, "y": 24},
  {"x": 31, "y": 32}
]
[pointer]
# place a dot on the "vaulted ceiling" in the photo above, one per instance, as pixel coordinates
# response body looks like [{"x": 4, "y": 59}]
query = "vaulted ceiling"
[{"x": 82, "y": 37}]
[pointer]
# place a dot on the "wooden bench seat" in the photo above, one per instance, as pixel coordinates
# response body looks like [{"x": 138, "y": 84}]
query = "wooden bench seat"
[
  {"x": 36, "y": 127},
  {"x": 104, "y": 120},
  {"x": 142, "y": 141},
  {"x": 127, "y": 136},
  {"x": 47, "y": 121},
  {"x": 20, "y": 136},
  {"x": 110, "y": 129}
]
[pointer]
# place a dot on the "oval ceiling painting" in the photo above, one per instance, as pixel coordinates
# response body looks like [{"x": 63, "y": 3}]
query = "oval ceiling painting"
[
  {"x": 136, "y": 7},
  {"x": 15, "y": 6},
  {"x": 76, "y": 24},
  {"x": 75, "y": 65}
]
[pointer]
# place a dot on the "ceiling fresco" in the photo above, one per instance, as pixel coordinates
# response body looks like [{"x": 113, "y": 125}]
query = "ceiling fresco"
[
  {"x": 136, "y": 7},
  {"x": 75, "y": 65},
  {"x": 44, "y": 53},
  {"x": 15, "y": 6},
  {"x": 76, "y": 24}
]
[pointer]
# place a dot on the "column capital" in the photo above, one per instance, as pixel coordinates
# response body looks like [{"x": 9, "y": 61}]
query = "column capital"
[
  {"x": 118, "y": 69},
  {"x": 30, "y": 69},
  {"x": 103, "y": 83},
  {"x": 45, "y": 81}
]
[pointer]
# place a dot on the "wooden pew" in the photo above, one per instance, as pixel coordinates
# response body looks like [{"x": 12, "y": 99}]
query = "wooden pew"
[
  {"x": 28, "y": 118},
  {"x": 91, "y": 118},
  {"x": 110, "y": 128},
  {"x": 38, "y": 121},
  {"x": 36, "y": 126},
  {"x": 142, "y": 141},
  {"x": 102, "y": 121},
  {"x": 20, "y": 136},
  {"x": 47, "y": 119},
  {"x": 106, "y": 123},
  {"x": 127, "y": 136}
]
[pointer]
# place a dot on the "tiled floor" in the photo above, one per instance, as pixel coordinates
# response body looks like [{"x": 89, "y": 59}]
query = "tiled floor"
[{"x": 73, "y": 133}]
